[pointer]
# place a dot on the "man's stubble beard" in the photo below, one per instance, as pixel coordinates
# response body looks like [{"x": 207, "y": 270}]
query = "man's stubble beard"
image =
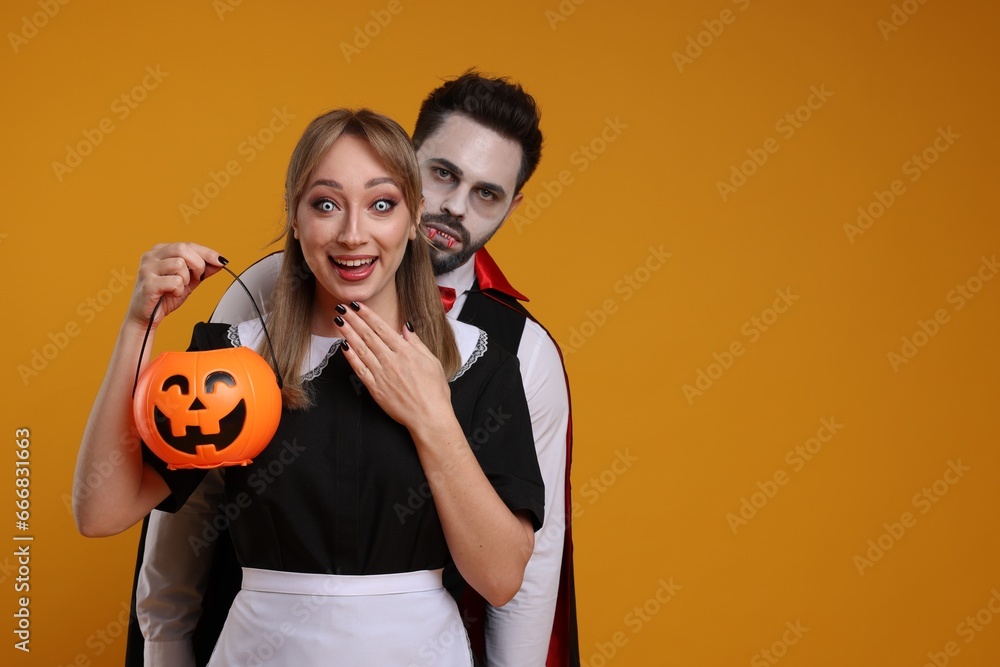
[{"x": 443, "y": 261}]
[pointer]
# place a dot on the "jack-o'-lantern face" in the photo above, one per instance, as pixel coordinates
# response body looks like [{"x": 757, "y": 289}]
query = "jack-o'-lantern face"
[
  {"x": 217, "y": 420},
  {"x": 207, "y": 409}
]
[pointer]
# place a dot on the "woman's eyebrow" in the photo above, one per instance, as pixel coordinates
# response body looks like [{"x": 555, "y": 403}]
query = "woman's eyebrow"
[
  {"x": 369, "y": 184},
  {"x": 380, "y": 180}
]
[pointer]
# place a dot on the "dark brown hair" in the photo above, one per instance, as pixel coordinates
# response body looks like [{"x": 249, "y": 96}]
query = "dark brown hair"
[{"x": 495, "y": 103}]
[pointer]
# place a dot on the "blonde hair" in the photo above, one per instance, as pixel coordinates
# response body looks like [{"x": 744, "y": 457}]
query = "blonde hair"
[{"x": 419, "y": 301}]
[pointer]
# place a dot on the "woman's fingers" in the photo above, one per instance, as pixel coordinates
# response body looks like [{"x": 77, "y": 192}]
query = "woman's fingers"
[
  {"x": 365, "y": 347},
  {"x": 191, "y": 261},
  {"x": 171, "y": 271},
  {"x": 411, "y": 337},
  {"x": 377, "y": 335},
  {"x": 396, "y": 367},
  {"x": 166, "y": 275},
  {"x": 368, "y": 333}
]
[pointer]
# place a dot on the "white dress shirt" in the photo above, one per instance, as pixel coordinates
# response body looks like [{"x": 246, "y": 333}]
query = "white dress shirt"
[{"x": 517, "y": 634}]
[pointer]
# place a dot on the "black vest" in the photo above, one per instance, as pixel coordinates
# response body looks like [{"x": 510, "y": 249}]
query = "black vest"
[{"x": 496, "y": 313}]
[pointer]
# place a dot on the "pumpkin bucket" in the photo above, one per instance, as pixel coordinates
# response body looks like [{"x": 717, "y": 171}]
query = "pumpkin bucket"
[{"x": 207, "y": 409}]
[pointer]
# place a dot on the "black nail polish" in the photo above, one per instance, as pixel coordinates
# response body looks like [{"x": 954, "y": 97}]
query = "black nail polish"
[
  {"x": 340, "y": 309},
  {"x": 345, "y": 345},
  {"x": 355, "y": 306},
  {"x": 409, "y": 326},
  {"x": 223, "y": 260},
  {"x": 339, "y": 320}
]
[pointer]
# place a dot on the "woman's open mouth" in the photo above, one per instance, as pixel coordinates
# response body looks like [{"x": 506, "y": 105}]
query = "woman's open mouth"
[{"x": 354, "y": 268}]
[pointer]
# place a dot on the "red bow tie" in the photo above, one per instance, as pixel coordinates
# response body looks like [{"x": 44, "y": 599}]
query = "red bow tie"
[{"x": 447, "y": 297}]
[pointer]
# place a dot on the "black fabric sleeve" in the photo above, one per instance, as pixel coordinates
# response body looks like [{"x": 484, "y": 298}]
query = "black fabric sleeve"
[
  {"x": 502, "y": 441},
  {"x": 182, "y": 483}
]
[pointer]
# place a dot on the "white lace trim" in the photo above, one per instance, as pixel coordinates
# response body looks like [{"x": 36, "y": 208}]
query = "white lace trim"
[
  {"x": 314, "y": 373},
  {"x": 319, "y": 352},
  {"x": 472, "y": 345},
  {"x": 234, "y": 336},
  {"x": 481, "y": 345}
]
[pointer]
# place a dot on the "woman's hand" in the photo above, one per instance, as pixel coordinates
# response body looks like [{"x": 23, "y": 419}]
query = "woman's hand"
[
  {"x": 127, "y": 494},
  {"x": 172, "y": 271},
  {"x": 132, "y": 489},
  {"x": 490, "y": 545},
  {"x": 402, "y": 375}
]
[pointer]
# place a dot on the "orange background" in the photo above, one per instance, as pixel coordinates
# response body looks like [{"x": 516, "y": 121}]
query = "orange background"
[{"x": 637, "y": 142}]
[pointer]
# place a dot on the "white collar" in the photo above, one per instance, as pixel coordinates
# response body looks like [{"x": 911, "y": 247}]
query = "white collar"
[
  {"x": 321, "y": 348},
  {"x": 471, "y": 342},
  {"x": 461, "y": 280}
]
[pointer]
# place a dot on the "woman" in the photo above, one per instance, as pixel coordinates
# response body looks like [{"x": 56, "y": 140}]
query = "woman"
[{"x": 378, "y": 486}]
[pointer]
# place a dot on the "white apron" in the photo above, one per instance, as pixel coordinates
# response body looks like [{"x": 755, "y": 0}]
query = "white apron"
[{"x": 301, "y": 620}]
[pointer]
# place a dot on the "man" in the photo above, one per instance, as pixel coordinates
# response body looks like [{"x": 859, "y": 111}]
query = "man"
[{"x": 477, "y": 142}]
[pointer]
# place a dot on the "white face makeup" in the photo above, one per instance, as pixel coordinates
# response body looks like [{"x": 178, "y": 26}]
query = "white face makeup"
[{"x": 469, "y": 174}]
